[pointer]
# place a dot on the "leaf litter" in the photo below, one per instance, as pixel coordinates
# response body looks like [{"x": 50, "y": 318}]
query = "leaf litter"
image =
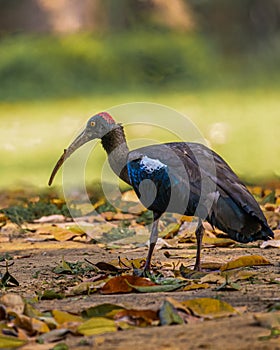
[{"x": 21, "y": 325}]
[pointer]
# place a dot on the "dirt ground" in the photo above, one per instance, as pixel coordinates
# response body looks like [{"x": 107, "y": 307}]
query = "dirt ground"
[{"x": 238, "y": 332}]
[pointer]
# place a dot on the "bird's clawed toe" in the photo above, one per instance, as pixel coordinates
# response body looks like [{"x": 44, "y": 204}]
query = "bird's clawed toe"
[{"x": 142, "y": 273}]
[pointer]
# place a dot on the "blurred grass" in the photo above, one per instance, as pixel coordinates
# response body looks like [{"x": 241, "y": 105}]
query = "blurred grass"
[
  {"x": 50, "y": 85},
  {"x": 41, "y": 67},
  {"x": 34, "y": 134}
]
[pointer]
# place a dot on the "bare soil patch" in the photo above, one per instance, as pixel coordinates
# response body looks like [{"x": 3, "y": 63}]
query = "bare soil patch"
[{"x": 238, "y": 332}]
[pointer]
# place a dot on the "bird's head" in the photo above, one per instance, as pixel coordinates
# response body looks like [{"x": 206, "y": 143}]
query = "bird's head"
[{"x": 97, "y": 126}]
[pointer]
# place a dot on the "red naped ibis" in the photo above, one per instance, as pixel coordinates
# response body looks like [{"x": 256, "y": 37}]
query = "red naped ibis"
[{"x": 183, "y": 177}]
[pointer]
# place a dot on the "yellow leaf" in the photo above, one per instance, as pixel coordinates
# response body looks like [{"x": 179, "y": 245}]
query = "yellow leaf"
[
  {"x": 185, "y": 218},
  {"x": 177, "y": 305},
  {"x": 30, "y": 311},
  {"x": 98, "y": 203},
  {"x": 210, "y": 265},
  {"x": 3, "y": 217},
  {"x": 11, "y": 342},
  {"x": 248, "y": 260},
  {"x": 209, "y": 308},
  {"x": 125, "y": 263},
  {"x": 213, "y": 278},
  {"x": 39, "y": 326},
  {"x": 256, "y": 190},
  {"x": 31, "y": 324},
  {"x": 196, "y": 286},
  {"x": 239, "y": 275},
  {"x": 170, "y": 231},
  {"x": 85, "y": 288},
  {"x": 218, "y": 242},
  {"x": 58, "y": 202},
  {"x": 76, "y": 229},
  {"x": 61, "y": 234},
  {"x": 130, "y": 196},
  {"x": 62, "y": 316},
  {"x": 97, "y": 325}
]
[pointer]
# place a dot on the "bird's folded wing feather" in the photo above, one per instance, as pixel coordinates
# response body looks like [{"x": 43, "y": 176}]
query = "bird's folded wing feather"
[{"x": 192, "y": 163}]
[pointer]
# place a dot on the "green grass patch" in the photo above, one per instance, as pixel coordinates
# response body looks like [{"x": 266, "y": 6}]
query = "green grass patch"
[
  {"x": 34, "y": 134},
  {"x": 51, "y": 85}
]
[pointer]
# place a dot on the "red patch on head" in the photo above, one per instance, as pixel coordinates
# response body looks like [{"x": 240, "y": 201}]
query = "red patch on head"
[{"x": 106, "y": 116}]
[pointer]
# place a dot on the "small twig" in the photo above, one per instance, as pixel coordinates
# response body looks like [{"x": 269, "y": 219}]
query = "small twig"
[
  {"x": 88, "y": 261},
  {"x": 122, "y": 263},
  {"x": 7, "y": 265}
]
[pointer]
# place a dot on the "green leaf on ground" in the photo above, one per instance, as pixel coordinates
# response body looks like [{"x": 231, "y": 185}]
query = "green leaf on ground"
[
  {"x": 8, "y": 342},
  {"x": 169, "y": 315}
]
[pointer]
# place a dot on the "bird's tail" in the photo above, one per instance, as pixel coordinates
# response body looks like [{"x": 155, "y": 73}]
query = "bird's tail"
[{"x": 265, "y": 233}]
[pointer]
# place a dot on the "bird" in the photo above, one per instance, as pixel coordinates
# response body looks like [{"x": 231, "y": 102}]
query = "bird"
[{"x": 187, "y": 178}]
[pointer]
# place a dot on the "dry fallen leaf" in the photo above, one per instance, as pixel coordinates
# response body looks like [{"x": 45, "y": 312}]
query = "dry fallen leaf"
[
  {"x": 53, "y": 336},
  {"x": 39, "y": 326},
  {"x": 125, "y": 263},
  {"x": 218, "y": 242},
  {"x": 168, "y": 314},
  {"x": 170, "y": 230},
  {"x": 210, "y": 265},
  {"x": 102, "y": 310},
  {"x": 13, "y": 302},
  {"x": 51, "y": 219},
  {"x": 136, "y": 317},
  {"x": 194, "y": 286},
  {"x": 8, "y": 342},
  {"x": 268, "y": 320},
  {"x": 120, "y": 284},
  {"x": 209, "y": 308},
  {"x": 130, "y": 196},
  {"x": 62, "y": 317},
  {"x": 273, "y": 243},
  {"x": 213, "y": 278},
  {"x": 248, "y": 260},
  {"x": 58, "y": 233},
  {"x": 97, "y": 325}
]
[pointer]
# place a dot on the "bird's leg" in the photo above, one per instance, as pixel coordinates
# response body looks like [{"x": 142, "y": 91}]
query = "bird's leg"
[
  {"x": 153, "y": 241},
  {"x": 199, "y": 235}
]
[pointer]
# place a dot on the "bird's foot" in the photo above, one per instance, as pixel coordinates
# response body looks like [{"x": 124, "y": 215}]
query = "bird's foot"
[{"x": 143, "y": 273}]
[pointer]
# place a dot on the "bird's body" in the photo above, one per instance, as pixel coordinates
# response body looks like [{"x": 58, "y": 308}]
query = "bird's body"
[
  {"x": 229, "y": 205},
  {"x": 182, "y": 177}
]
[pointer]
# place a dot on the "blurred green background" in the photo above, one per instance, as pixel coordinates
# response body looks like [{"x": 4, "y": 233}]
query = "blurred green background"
[{"x": 216, "y": 61}]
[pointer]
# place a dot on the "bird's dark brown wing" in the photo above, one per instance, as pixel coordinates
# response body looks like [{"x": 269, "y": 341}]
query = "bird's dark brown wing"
[
  {"x": 201, "y": 163},
  {"x": 227, "y": 181}
]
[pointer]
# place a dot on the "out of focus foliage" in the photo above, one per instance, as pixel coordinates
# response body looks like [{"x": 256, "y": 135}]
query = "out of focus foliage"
[
  {"x": 82, "y": 64},
  {"x": 65, "y": 49},
  {"x": 42, "y": 67}
]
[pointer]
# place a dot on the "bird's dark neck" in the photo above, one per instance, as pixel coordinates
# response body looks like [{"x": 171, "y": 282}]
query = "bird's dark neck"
[{"x": 114, "y": 143}]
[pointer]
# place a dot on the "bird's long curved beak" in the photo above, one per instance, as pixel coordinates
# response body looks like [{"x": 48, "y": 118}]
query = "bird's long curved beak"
[{"x": 80, "y": 140}]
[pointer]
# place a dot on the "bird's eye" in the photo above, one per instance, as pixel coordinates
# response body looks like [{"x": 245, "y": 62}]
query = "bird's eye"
[{"x": 92, "y": 123}]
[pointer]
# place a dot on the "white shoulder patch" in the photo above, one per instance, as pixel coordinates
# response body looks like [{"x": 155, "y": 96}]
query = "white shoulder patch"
[{"x": 150, "y": 164}]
